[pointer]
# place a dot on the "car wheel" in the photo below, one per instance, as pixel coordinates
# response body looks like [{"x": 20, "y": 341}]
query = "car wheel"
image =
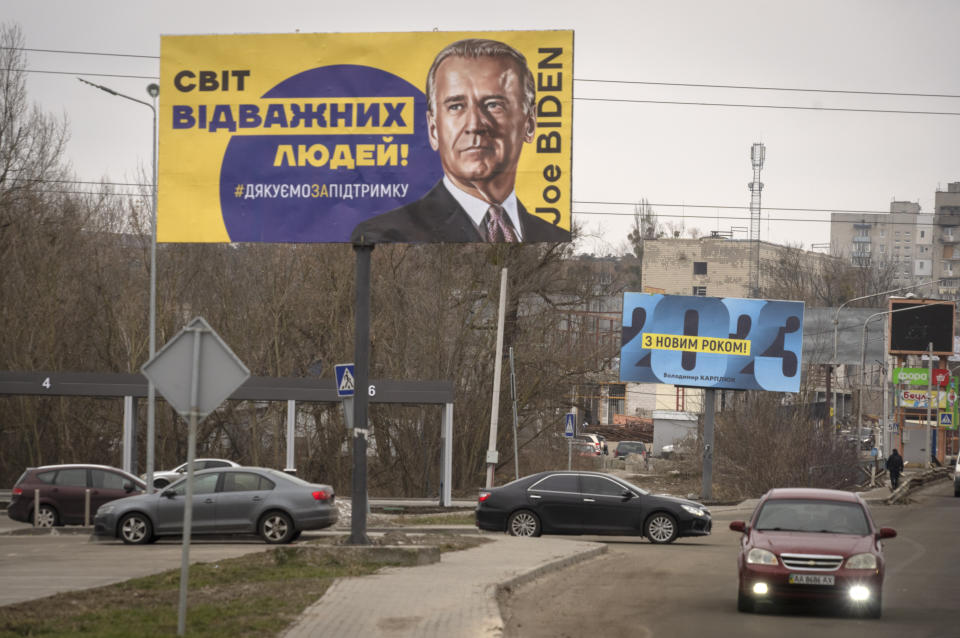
[
  {"x": 523, "y": 523},
  {"x": 744, "y": 602},
  {"x": 661, "y": 528},
  {"x": 46, "y": 517},
  {"x": 160, "y": 483},
  {"x": 956, "y": 490},
  {"x": 276, "y": 528},
  {"x": 136, "y": 529}
]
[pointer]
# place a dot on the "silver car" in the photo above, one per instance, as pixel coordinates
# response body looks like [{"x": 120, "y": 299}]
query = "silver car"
[
  {"x": 166, "y": 477},
  {"x": 236, "y": 500}
]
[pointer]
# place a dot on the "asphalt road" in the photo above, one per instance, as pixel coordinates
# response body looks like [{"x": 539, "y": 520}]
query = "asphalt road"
[{"x": 688, "y": 588}]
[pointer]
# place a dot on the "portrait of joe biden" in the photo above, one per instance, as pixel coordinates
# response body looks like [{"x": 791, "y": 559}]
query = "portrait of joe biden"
[{"x": 481, "y": 110}]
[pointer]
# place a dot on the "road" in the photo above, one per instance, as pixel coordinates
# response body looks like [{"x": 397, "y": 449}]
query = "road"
[{"x": 688, "y": 588}]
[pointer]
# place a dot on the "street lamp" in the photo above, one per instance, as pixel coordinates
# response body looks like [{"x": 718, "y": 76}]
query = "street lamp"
[
  {"x": 836, "y": 317},
  {"x": 836, "y": 324},
  {"x": 153, "y": 90},
  {"x": 863, "y": 367}
]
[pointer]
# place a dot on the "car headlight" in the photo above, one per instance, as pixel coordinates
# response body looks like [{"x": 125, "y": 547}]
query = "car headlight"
[
  {"x": 862, "y": 561},
  {"x": 757, "y": 556},
  {"x": 105, "y": 508},
  {"x": 696, "y": 511}
]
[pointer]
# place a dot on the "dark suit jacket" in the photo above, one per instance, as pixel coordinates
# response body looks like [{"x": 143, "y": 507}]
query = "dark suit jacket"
[{"x": 437, "y": 216}]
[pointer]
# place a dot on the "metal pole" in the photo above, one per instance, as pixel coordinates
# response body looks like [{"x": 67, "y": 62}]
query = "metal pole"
[
  {"x": 151, "y": 388},
  {"x": 291, "y": 436},
  {"x": 361, "y": 353},
  {"x": 188, "y": 500},
  {"x": 153, "y": 90},
  {"x": 710, "y": 395},
  {"x": 513, "y": 395},
  {"x": 492, "y": 456},
  {"x": 927, "y": 447}
]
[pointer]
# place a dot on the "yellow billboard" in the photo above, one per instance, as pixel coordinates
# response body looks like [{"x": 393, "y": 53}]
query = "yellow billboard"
[{"x": 366, "y": 137}]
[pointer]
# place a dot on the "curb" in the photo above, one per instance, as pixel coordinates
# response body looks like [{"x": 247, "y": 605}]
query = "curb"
[
  {"x": 915, "y": 481},
  {"x": 546, "y": 568},
  {"x": 504, "y": 588}
]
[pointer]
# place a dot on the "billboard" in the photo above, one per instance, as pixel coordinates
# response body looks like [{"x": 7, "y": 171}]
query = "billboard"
[
  {"x": 917, "y": 323},
  {"x": 709, "y": 342},
  {"x": 920, "y": 398},
  {"x": 921, "y": 376},
  {"x": 331, "y": 137}
]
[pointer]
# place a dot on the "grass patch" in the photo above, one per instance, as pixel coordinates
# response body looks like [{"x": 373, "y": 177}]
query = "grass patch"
[
  {"x": 457, "y": 518},
  {"x": 258, "y": 594}
]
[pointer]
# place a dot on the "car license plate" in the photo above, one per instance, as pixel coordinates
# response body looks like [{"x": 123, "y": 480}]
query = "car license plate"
[{"x": 810, "y": 579}]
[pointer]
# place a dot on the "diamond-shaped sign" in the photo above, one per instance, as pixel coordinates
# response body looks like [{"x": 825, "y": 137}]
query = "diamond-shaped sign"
[{"x": 196, "y": 353}]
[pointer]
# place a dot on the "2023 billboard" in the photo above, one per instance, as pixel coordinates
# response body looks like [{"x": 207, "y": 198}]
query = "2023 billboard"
[
  {"x": 724, "y": 343},
  {"x": 300, "y": 137}
]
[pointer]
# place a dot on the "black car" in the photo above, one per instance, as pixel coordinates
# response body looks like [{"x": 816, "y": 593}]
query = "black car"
[{"x": 562, "y": 502}]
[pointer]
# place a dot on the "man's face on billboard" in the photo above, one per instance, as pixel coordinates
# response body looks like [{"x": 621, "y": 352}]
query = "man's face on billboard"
[{"x": 478, "y": 125}]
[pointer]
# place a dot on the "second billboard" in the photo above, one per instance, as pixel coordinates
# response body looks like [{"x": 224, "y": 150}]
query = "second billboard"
[{"x": 726, "y": 343}]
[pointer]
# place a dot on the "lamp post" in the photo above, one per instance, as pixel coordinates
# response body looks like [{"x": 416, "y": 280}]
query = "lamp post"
[
  {"x": 863, "y": 367},
  {"x": 153, "y": 90},
  {"x": 836, "y": 322}
]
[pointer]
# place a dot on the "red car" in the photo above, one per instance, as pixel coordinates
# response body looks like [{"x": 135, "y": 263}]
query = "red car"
[
  {"x": 811, "y": 545},
  {"x": 64, "y": 490}
]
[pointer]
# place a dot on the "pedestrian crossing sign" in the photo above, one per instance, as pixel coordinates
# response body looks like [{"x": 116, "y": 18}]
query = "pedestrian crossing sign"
[
  {"x": 946, "y": 418},
  {"x": 345, "y": 380}
]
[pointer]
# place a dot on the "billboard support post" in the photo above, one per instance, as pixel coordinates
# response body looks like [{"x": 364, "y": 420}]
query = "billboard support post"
[
  {"x": 361, "y": 353},
  {"x": 926, "y": 437},
  {"x": 709, "y": 409},
  {"x": 492, "y": 456}
]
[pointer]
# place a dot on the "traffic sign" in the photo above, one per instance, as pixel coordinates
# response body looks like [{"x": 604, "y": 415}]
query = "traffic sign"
[
  {"x": 196, "y": 371},
  {"x": 946, "y": 418},
  {"x": 570, "y": 420},
  {"x": 346, "y": 381}
]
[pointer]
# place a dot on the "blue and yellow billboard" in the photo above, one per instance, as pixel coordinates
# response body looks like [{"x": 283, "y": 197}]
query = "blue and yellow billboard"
[
  {"x": 709, "y": 342},
  {"x": 334, "y": 138}
]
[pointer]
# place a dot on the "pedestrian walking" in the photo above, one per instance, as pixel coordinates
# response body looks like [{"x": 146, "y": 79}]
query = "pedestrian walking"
[{"x": 895, "y": 468}]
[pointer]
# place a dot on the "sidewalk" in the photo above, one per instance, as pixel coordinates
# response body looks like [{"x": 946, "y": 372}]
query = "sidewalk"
[{"x": 455, "y": 597}]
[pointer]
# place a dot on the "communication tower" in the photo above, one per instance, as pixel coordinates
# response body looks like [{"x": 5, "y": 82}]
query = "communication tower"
[{"x": 758, "y": 153}]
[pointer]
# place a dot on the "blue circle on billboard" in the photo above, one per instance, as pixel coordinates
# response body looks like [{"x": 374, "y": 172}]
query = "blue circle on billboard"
[{"x": 294, "y": 203}]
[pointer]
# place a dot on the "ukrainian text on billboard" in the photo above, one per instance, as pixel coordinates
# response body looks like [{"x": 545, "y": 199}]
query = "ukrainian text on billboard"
[
  {"x": 303, "y": 137},
  {"x": 727, "y": 343}
]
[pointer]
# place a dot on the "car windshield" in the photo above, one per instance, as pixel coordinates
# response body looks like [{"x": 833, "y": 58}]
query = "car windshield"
[{"x": 803, "y": 515}]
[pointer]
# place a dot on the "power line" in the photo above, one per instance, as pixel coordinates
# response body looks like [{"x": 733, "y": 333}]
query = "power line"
[
  {"x": 578, "y": 212},
  {"x": 766, "y": 106},
  {"x": 768, "y": 88},
  {"x": 76, "y": 181},
  {"x": 116, "y": 55},
  {"x": 593, "y": 80},
  {"x": 102, "y": 75},
  {"x": 807, "y": 210}
]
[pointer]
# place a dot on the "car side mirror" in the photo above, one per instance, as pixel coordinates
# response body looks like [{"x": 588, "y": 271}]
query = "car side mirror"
[
  {"x": 168, "y": 493},
  {"x": 627, "y": 495},
  {"x": 738, "y": 526},
  {"x": 127, "y": 487},
  {"x": 886, "y": 532}
]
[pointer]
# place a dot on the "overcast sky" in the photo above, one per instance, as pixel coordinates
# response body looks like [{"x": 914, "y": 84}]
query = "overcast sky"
[{"x": 691, "y": 162}]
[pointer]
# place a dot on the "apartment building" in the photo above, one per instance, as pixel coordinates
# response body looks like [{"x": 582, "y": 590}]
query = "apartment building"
[
  {"x": 946, "y": 247},
  {"x": 902, "y": 238}
]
